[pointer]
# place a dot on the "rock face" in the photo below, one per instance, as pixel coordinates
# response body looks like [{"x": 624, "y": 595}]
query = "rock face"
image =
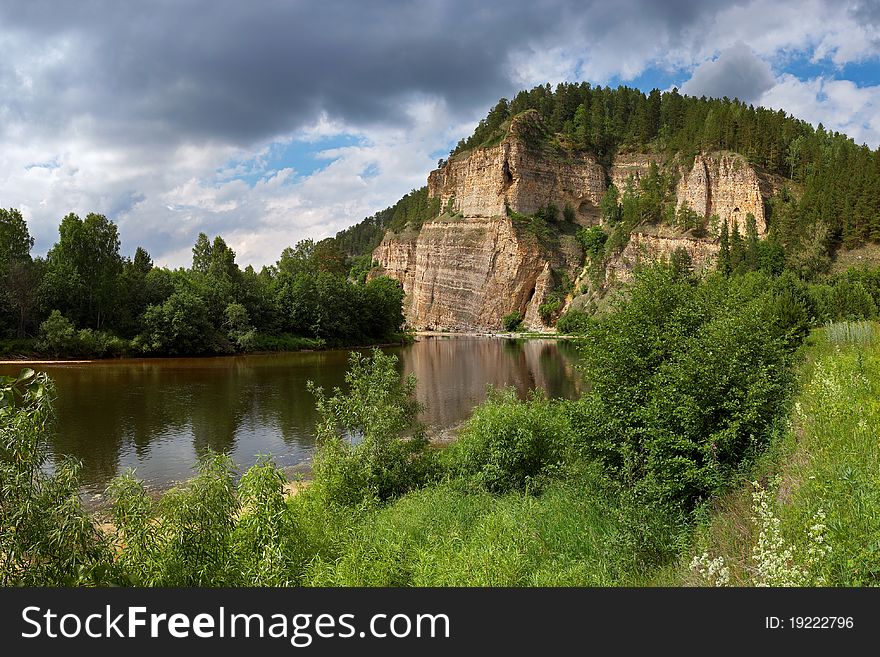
[
  {"x": 514, "y": 175},
  {"x": 651, "y": 246},
  {"x": 472, "y": 265},
  {"x": 629, "y": 168},
  {"x": 723, "y": 184},
  {"x": 468, "y": 273}
]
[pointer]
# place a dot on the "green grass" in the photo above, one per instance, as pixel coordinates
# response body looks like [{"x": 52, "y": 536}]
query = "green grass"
[{"x": 447, "y": 536}]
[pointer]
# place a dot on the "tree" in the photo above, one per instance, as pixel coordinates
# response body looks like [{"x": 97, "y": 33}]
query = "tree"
[
  {"x": 222, "y": 260},
  {"x": 609, "y": 206},
  {"x": 15, "y": 240},
  {"x": 752, "y": 255},
  {"x": 724, "y": 250},
  {"x": 328, "y": 257},
  {"x": 296, "y": 260},
  {"x": 201, "y": 254},
  {"x": 18, "y": 275},
  {"x": 737, "y": 248},
  {"x": 89, "y": 250},
  {"x": 178, "y": 327}
]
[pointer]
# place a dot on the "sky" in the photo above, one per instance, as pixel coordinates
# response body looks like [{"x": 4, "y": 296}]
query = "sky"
[{"x": 272, "y": 122}]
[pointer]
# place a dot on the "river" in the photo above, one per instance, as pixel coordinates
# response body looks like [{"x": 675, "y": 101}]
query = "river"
[{"x": 158, "y": 415}]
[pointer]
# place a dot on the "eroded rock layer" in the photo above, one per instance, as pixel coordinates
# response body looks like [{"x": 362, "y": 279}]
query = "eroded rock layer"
[
  {"x": 723, "y": 184},
  {"x": 467, "y": 274}
]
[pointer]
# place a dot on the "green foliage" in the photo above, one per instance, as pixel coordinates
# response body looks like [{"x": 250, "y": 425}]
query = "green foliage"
[
  {"x": 179, "y": 326},
  {"x": 609, "y": 206},
  {"x": 689, "y": 379},
  {"x": 46, "y": 538},
  {"x": 550, "y": 308},
  {"x": 592, "y": 240},
  {"x": 238, "y": 327},
  {"x": 574, "y": 322},
  {"x": 57, "y": 335},
  {"x": 510, "y": 445},
  {"x": 371, "y": 445},
  {"x": 211, "y": 532},
  {"x": 512, "y": 321}
]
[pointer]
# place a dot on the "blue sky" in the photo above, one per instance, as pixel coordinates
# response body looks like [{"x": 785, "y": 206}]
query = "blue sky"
[{"x": 294, "y": 120}]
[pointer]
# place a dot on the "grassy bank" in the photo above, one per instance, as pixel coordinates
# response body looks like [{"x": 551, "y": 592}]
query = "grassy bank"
[{"x": 810, "y": 514}]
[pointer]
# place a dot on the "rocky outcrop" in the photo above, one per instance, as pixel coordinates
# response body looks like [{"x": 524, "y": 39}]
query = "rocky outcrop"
[
  {"x": 463, "y": 274},
  {"x": 723, "y": 184},
  {"x": 652, "y": 246},
  {"x": 628, "y": 168},
  {"x": 519, "y": 175},
  {"x": 477, "y": 262}
]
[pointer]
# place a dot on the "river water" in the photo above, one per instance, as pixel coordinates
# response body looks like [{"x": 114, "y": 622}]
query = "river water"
[{"x": 158, "y": 415}]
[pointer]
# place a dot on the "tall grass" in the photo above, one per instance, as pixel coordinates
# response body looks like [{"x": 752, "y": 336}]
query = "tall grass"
[{"x": 851, "y": 333}]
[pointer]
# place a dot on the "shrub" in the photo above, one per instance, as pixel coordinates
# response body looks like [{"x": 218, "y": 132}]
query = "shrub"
[
  {"x": 592, "y": 240},
  {"x": 57, "y": 335},
  {"x": 509, "y": 444},
  {"x": 46, "y": 538},
  {"x": 549, "y": 308},
  {"x": 512, "y": 321},
  {"x": 688, "y": 381},
  {"x": 371, "y": 446},
  {"x": 574, "y": 322}
]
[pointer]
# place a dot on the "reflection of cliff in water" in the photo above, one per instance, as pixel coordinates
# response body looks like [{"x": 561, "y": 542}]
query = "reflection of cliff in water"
[{"x": 453, "y": 373}]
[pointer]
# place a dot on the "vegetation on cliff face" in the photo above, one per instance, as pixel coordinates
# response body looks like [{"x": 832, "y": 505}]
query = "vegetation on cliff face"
[
  {"x": 411, "y": 211},
  {"x": 85, "y": 299}
]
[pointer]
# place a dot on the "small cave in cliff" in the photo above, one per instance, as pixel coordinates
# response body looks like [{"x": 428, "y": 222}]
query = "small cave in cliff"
[{"x": 505, "y": 171}]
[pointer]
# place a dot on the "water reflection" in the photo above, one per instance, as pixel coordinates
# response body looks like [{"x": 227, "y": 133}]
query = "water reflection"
[{"x": 159, "y": 415}]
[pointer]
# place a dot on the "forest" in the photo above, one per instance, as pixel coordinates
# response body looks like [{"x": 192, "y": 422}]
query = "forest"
[{"x": 85, "y": 299}]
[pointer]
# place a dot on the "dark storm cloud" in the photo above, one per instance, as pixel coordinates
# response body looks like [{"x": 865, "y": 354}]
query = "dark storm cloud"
[
  {"x": 238, "y": 71},
  {"x": 737, "y": 73}
]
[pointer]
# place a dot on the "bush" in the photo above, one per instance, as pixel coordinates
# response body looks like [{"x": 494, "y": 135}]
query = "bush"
[
  {"x": 549, "y": 308},
  {"x": 58, "y": 338},
  {"x": 592, "y": 240},
  {"x": 57, "y": 335},
  {"x": 46, "y": 538},
  {"x": 574, "y": 322},
  {"x": 509, "y": 444},
  {"x": 688, "y": 381},
  {"x": 513, "y": 321},
  {"x": 210, "y": 532},
  {"x": 177, "y": 327},
  {"x": 371, "y": 446}
]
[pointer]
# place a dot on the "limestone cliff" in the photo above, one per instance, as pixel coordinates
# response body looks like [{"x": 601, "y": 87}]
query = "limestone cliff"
[
  {"x": 520, "y": 175},
  {"x": 462, "y": 274},
  {"x": 478, "y": 261},
  {"x": 723, "y": 184},
  {"x": 651, "y": 245}
]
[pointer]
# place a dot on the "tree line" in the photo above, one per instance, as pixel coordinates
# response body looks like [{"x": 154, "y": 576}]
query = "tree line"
[{"x": 86, "y": 299}]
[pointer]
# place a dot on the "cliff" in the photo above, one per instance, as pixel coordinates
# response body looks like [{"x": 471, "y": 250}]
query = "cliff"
[
  {"x": 467, "y": 273},
  {"x": 482, "y": 259},
  {"x": 519, "y": 174},
  {"x": 723, "y": 184}
]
